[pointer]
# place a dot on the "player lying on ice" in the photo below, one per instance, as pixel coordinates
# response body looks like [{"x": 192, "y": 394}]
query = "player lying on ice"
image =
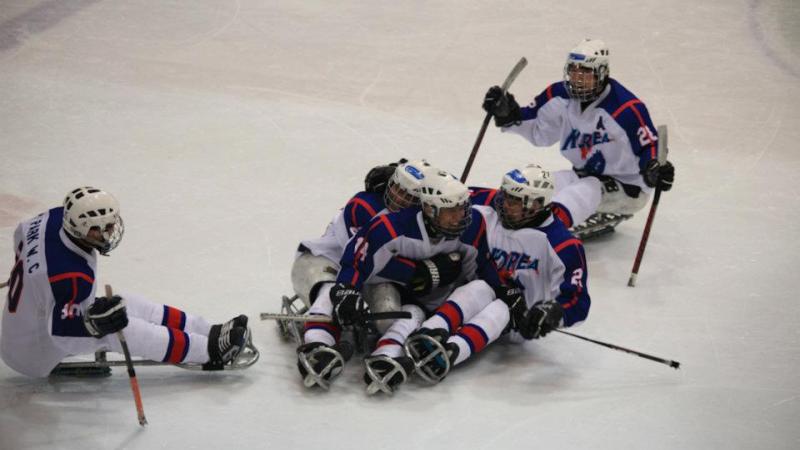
[
  {"x": 529, "y": 246},
  {"x": 603, "y": 129},
  {"x": 52, "y": 311}
]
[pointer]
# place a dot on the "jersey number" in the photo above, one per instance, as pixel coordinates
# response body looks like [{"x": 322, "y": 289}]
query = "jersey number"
[
  {"x": 646, "y": 136},
  {"x": 361, "y": 249},
  {"x": 15, "y": 283},
  {"x": 577, "y": 275}
]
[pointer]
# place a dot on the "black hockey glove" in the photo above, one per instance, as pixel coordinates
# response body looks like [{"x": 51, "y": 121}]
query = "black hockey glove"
[
  {"x": 439, "y": 270},
  {"x": 378, "y": 177},
  {"x": 542, "y": 318},
  {"x": 659, "y": 175},
  {"x": 502, "y": 106},
  {"x": 514, "y": 298},
  {"x": 348, "y": 304},
  {"x": 106, "y": 316}
]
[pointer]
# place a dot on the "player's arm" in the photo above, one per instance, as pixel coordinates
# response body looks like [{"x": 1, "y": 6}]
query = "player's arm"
[
  {"x": 72, "y": 292},
  {"x": 358, "y": 261},
  {"x": 476, "y": 236},
  {"x": 359, "y": 210},
  {"x": 634, "y": 118},
  {"x": 573, "y": 292}
]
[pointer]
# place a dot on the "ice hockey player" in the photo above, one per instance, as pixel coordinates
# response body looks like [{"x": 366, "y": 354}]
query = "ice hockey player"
[
  {"x": 388, "y": 188},
  {"x": 530, "y": 247},
  {"x": 443, "y": 244},
  {"x": 52, "y": 310},
  {"x": 602, "y": 129}
]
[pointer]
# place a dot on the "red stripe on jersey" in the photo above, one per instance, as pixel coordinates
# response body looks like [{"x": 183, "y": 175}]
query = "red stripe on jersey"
[
  {"x": 389, "y": 227},
  {"x": 549, "y": 92},
  {"x": 480, "y": 231},
  {"x": 405, "y": 261},
  {"x": 568, "y": 242},
  {"x": 630, "y": 104},
  {"x": 490, "y": 197},
  {"x": 562, "y": 215},
  {"x": 473, "y": 335},
  {"x": 179, "y": 343},
  {"x": 66, "y": 275},
  {"x": 74, "y": 276},
  {"x": 363, "y": 204}
]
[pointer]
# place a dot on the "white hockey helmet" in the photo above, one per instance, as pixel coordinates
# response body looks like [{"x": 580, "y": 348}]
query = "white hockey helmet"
[
  {"x": 86, "y": 209},
  {"x": 532, "y": 187},
  {"x": 589, "y": 55},
  {"x": 445, "y": 204},
  {"x": 402, "y": 190}
]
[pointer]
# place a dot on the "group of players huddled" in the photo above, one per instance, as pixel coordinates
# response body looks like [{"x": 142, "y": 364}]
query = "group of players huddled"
[{"x": 459, "y": 267}]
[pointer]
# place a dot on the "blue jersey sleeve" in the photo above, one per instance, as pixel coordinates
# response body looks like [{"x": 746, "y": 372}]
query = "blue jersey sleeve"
[
  {"x": 631, "y": 114},
  {"x": 475, "y": 236},
  {"x": 358, "y": 260},
  {"x": 360, "y": 209},
  {"x": 556, "y": 89},
  {"x": 482, "y": 196},
  {"x": 574, "y": 292}
]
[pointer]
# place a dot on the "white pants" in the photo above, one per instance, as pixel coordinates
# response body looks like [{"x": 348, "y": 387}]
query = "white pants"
[
  {"x": 582, "y": 197},
  {"x": 155, "y": 332}
]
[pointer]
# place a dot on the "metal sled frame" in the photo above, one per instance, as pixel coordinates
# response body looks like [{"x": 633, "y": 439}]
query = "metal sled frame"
[
  {"x": 101, "y": 365},
  {"x": 436, "y": 352},
  {"x": 598, "y": 224},
  {"x": 381, "y": 383}
]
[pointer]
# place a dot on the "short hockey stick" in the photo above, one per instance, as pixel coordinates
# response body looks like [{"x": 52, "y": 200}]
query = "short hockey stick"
[
  {"x": 669, "y": 362},
  {"x": 325, "y": 319},
  {"x": 509, "y": 79},
  {"x": 663, "y": 149},
  {"x": 137, "y": 395}
]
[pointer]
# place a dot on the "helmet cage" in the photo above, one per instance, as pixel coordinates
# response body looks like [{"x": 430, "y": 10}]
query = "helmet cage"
[
  {"x": 92, "y": 216},
  {"x": 592, "y": 55},
  {"x": 402, "y": 190},
  {"x": 433, "y": 220}
]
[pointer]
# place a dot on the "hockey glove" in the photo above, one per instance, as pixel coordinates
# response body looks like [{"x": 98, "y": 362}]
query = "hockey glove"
[
  {"x": 348, "y": 304},
  {"x": 542, "y": 318},
  {"x": 502, "y": 106},
  {"x": 659, "y": 175},
  {"x": 439, "y": 270},
  {"x": 514, "y": 298},
  {"x": 106, "y": 316}
]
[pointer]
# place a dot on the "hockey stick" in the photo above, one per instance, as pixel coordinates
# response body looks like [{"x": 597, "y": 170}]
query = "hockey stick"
[
  {"x": 663, "y": 149},
  {"x": 137, "y": 395},
  {"x": 669, "y": 362},
  {"x": 3, "y": 284},
  {"x": 325, "y": 319},
  {"x": 509, "y": 79}
]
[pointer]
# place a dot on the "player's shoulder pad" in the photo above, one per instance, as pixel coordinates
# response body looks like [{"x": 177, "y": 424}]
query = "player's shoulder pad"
[
  {"x": 555, "y": 90},
  {"x": 481, "y": 195},
  {"x": 621, "y": 104},
  {"x": 370, "y": 201},
  {"x": 387, "y": 227}
]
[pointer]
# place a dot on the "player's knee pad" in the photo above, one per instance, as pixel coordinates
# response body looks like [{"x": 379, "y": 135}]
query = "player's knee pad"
[
  {"x": 616, "y": 201},
  {"x": 309, "y": 272},
  {"x": 382, "y": 297}
]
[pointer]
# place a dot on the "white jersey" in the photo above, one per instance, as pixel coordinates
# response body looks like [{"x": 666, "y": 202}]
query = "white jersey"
[
  {"x": 526, "y": 256},
  {"x": 612, "y": 136},
  {"x": 358, "y": 211},
  {"x": 51, "y": 279}
]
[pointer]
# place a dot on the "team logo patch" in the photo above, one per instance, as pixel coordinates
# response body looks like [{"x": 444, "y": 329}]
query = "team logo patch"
[
  {"x": 517, "y": 176},
  {"x": 416, "y": 173}
]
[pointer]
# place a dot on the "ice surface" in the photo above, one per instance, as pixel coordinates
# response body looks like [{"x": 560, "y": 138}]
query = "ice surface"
[{"x": 229, "y": 130}]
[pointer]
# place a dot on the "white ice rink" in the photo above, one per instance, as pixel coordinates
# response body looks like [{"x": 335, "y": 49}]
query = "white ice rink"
[{"x": 231, "y": 129}]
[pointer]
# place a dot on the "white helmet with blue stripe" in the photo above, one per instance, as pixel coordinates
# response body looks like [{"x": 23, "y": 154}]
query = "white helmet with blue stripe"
[
  {"x": 402, "y": 190},
  {"x": 586, "y": 70},
  {"x": 524, "y": 196}
]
